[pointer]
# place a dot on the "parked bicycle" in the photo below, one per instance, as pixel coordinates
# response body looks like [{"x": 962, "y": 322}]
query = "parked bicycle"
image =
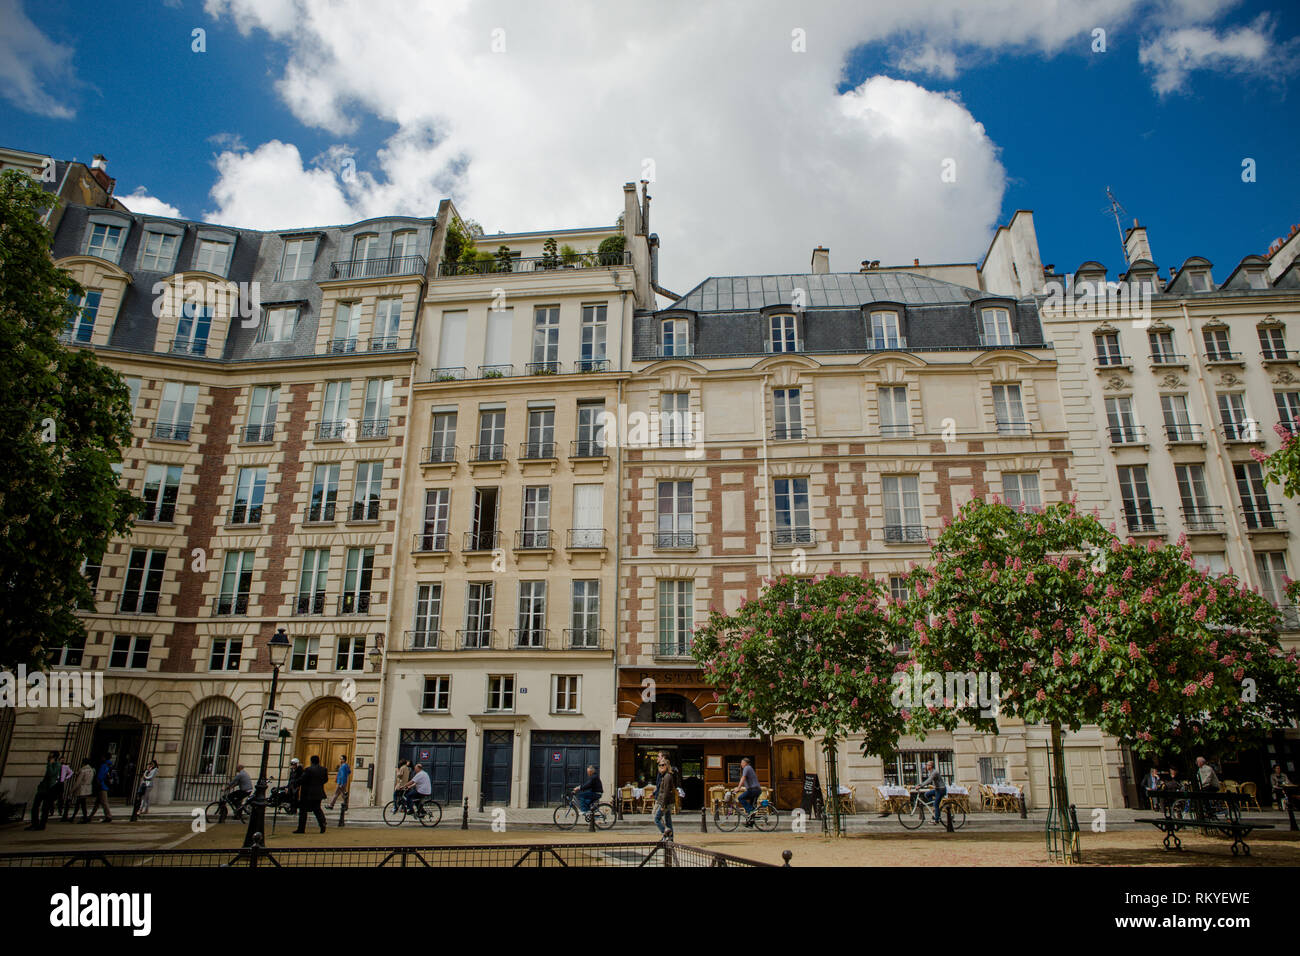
[
  {"x": 913, "y": 815},
  {"x": 425, "y": 809},
  {"x": 732, "y": 814},
  {"x": 567, "y": 813}
]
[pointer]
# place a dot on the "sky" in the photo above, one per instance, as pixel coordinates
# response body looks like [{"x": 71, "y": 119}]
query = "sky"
[{"x": 882, "y": 130}]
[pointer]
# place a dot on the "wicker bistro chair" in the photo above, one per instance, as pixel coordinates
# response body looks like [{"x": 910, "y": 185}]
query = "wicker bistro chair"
[
  {"x": 648, "y": 800},
  {"x": 717, "y": 797},
  {"x": 626, "y": 800},
  {"x": 1250, "y": 796},
  {"x": 988, "y": 799}
]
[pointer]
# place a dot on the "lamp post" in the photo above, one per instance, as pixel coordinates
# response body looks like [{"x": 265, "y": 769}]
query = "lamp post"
[{"x": 278, "y": 647}]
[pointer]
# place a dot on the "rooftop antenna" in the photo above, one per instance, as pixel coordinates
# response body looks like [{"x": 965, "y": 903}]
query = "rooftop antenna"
[{"x": 1116, "y": 210}]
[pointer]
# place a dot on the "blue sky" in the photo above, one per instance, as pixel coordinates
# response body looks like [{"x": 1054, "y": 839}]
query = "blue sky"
[{"x": 754, "y": 162}]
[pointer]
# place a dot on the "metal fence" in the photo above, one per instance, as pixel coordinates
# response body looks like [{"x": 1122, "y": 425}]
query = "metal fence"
[{"x": 658, "y": 854}]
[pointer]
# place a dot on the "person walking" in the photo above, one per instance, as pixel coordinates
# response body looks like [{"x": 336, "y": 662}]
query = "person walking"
[
  {"x": 1205, "y": 774},
  {"x": 47, "y": 792},
  {"x": 341, "y": 779},
  {"x": 313, "y": 792},
  {"x": 65, "y": 795},
  {"x": 665, "y": 796},
  {"x": 82, "y": 785},
  {"x": 294, "y": 786},
  {"x": 146, "y": 785},
  {"x": 103, "y": 780}
]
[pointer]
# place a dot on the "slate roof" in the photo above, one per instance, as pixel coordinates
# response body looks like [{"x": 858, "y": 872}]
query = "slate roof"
[{"x": 751, "y": 293}]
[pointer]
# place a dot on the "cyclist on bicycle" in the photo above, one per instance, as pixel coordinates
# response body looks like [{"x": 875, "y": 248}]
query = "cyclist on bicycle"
[
  {"x": 590, "y": 791},
  {"x": 748, "y": 789},
  {"x": 417, "y": 788},
  {"x": 936, "y": 787},
  {"x": 240, "y": 787}
]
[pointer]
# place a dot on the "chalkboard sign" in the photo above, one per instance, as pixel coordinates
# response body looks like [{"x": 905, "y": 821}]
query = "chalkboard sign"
[{"x": 812, "y": 793}]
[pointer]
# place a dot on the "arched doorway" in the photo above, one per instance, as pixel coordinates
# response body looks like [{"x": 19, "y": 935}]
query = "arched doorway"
[
  {"x": 125, "y": 734},
  {"x": 326, "y": 729}
]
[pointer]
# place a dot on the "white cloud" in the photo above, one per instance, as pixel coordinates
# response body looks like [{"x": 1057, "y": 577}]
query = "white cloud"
[
  {"x": 929, "y": 60},
  {"x": 140, "y": 201},
  {"x": 30, "y": 62},
  {"x": 1175, "y": 54}
]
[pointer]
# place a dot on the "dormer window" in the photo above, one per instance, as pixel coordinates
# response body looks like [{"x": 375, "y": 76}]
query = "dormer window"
[
  {"x": 1257, "y": 280},
  {"x": 158, "y": 252},
  {"x": 82, "y": 324},
  {"x": 996, "y": 324},
  {"x": 784, "y": 334},
  {"x": 365, "y": 247},
  {"x": 403, "y": 244},
  {"x": 298, "y": 257},
  {"x": 279, "y": 324},
  {"x": 1199, "y": 281},
  {"x": 886, "y": 331},
  {"x": 105, "y": 241},
  {"x": 192, "y": 329},
  {"x": 674, "y": 338},
  {"x": 212, "y": 256}
]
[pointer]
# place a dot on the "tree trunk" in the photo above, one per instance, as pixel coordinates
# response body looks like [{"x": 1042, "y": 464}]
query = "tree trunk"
[
  {"x": 1061, "y": 798},
  {"x": 833, "y": 784}
]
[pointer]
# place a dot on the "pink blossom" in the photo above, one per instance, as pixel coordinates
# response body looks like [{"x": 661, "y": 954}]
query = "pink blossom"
[
  {"x": 1041, "y": 695},
  {"x": 1133, "y": 652},
  {"x": 1153, "y": 685}
]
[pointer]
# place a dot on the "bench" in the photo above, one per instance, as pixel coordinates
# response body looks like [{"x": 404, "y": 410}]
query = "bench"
[{"x": 1170, "y": 826}]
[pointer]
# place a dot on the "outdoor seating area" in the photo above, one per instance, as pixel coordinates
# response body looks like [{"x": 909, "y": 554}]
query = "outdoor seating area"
[{"x": 995, "y": 798}]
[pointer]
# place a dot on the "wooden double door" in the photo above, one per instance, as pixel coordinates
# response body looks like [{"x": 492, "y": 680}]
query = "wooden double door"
[{"x": 327, "y": 729}]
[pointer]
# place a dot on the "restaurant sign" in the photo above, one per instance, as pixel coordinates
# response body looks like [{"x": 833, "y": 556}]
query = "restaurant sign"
[{"x": 690, "y": 733}]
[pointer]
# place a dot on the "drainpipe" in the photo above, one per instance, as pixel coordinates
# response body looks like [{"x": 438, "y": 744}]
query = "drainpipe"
[
  {"x": 1233, "y": 528},
  {"x": 767, "y": 512},
  {"x": 618, "y": 563}
]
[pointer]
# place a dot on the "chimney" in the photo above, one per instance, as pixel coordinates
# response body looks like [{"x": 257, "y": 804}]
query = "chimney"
[
  {"x": 99, "y": 169},
  {"x": 821, "y": 261},
  {"x": 1136, "y": 245},
  {"x": 631, "y": 212}
]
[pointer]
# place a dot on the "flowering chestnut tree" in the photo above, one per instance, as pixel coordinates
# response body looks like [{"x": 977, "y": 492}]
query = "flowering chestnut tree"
[
  {"x": 1283, "y": 466},
  {"x": 1082, "y": 628}
]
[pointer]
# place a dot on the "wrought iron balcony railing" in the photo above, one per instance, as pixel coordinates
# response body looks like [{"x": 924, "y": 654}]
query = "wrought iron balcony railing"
[
  {"x": 230, "y": 604},
  {"x": 529, "y": 638},
  {"x": 320, "y": 512},
  {"x": 244, "y": 514},
  {"x": 310, "y": 603},
  {"x": 422, "y": 640},
  {"x": 534, "y": 540},
  {"x": 358, "y": 602},
  {"x": 189, "y": 346},
  {"x": 475, "y": 639},
  {"x": 377, "y": 268},
  {"x": 1185, "y": 432},
  {"x": 584, "y": 638},
  {"x": 493, "y": 452},
  {"x": 788, "y": 433},
  {"x": 172, "y": 431},
  {"x": 1261, "y": 517},
  {"x": 431, "y": 542},
  {"x": 482, "y": 540},
  {"x": 674, "y": 539},
  {"x": 1203, "y": 518},
  {"x": 904, "y": 533},
  {"x": 482, "y": 267},
  {"x": 789, "y": 537},
  {"x": 254, "y": 434},
  {"x": 537, "y": 450},
  {"x": 1127, "y": 434},
  {"x": 438, "y": 455},
  {"x": 1142, "y": 518},
  {"x": 587, "y": 448}
]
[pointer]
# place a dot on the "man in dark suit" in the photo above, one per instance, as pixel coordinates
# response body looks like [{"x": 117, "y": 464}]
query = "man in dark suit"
[{"x": 311, "y": 794}]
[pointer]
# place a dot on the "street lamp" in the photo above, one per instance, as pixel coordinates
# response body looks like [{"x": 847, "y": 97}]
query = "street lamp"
[{"x": 279, "y": 647}]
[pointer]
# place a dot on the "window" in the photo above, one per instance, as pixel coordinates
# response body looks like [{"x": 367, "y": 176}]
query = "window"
[
  {"x": 356, "y": 580},
  {"x": 297, "y": 261},
  {"x": 1135, "y": 494},
  {"x": 483, "y": 526},
  {"x": 478, "y": 614},
  {"x": 491, "y": 436},
  {"x": 1272, "y": 342},
  {"x": 591, "y": 351},
  {"x": 263, "y": 406},
  {"x": 892, "y": 402},
  {"x": 312, "y": 580},
  {"x": 501, "y": 692},
  {"x": 1288, "y": 409},
  {"x": 787, "y": 413},
  {"x": 1195, "y": 497},
  {"x": 192, "y": 329},
  {"x": 365, "y": 246},
  {"x": 674, "y": 419},
  {"x": 585, "y": 631},
  {"x": 783, "y": 334},
  {"x": 531, "y": 631},
  {"x": 591, "y": 430},
  {"x": 1178, "y": 423},
  {"x": 1108, "y": 352},
  {"x": 1200, "y": 281},
  {"x": 546, "y": 340},
  {"x": 536, "y": 531},
  {"x": 176, "y": 411},
  {"x": 1256, "y": 507},
  {"x": 588, "y": 527},
  {"x": 442, "y": 437},
  {"x": 428, "y": 617},
  {"x": 133, "y": 388},
  {"x": 236, "y": 582},
  {"x": 793, "y": 516},
  {"x": 676, "y": 617},
  {"x": 673, "y": 338},
  {"x": 366, "y": 490},
  {"x": 1162, "y": 348},
  {"x": 451, "y": 346},
  {"x": 1216, "y": 345},
  {"x": 437, "y": 512},
  {"x": 1124, "y": 429},
  {"x": 324, "y": 493},
  {"x": 565, "y": 693},
  {"x": 162, "y": 483},
  {"x": 305, "y": 655},
  {"x": 437, "y": 694},
  {"x": 1021, "y": 489},
  {"x": 81, "y": 326},
  {"x": 907, "y": 767},
  {"x": 250, "y": 490},
  {"x": 541, "y": 434},
  {"x": 676, "y": 521},
  {"x": 158, "y": 252},
  {"x": 997, "y": 328},
  {"x": 1271, "y": 566},
  {"x": 899, "y": 589},
  {"x": 69, "y": 653},
  {"x": 225, "y": 653},
  {"x": 129, "y": 653},
  {"x": 279, "y": 324},
  {"x": 347, "y": 323},
  {"x": 1009, "y": 410},
  {"x": 403, "y": 245},
  {"x": 334, "y": 410},
  {"x": 105, "y": 241},
  {"x": 350, "y": 654},
  {"x": 143, "y": 584},
  {"x": 902, "y": 496},
  {"x": 388, "y": 324},
  {"x": 993, "y": 770},
  {"x": 214, "y": 749},
  {"x": 1237, "y": 425},
  {"x": 886, "y": 331},
  {"x": 212, "y": 257}
]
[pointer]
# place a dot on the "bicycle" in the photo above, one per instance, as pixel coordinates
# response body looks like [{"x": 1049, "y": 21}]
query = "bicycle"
[
  {"x": 567, "y": 813},
  {"x": 425, "y": 809},
  {"x": 763, "y": 817},
  {"x": 913, "y": 816},
  {"x": 225, "y": 806}
]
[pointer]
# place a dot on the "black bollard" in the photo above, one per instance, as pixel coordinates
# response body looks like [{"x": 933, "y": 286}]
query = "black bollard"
[
  {"x": 704, "y": 819},
  {"x": 947, "y": 818},
  {"x": 785, "y": 855},
  {"x": 464, "y": 814},
  {"x": 343, "y": 809},
  {"x": 1024, "y": 811},
  {"x": 591, "y": 819}
]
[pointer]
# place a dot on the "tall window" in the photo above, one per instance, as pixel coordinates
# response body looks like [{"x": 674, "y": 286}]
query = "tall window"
[
  {"x": 312, "y": 580},
  {"x": 1217, "y": 348},
  {"x": 483, "y": 527},
  {"x": 367, "y": 490},
  {"x": 365, "y": 246},
  {"x": 297, "y": 261},
  {"x": 236, "y": 582},
  {"x": 350, "y": 653},
  {"x": 531, "y": 631},
  {"x": 388, "y": 324},
  {"x": 1237, "y": 425},
  {"x": 1022, "y": 489},
  {"x": 143, "y": 584},
  {"x": 674, "y": 419},
  {"x": 783, "y": 334},
  {"x": 81, "y": 326},
  {"x": 787, "y": 414},
  {"x": 1135, "y": 493},
  {"x": 902, "y": 494},
  {"x": 886, "y": 332},
  {"x": 591, "y": 430},
  {"x": 894, "y": 420},
  {"x": 997, "y": 327},
  {"x": 442, "y": 437},
  {"x": 250, "y": 490},
  {"x": 437, "y": 514},
  {"x": 1009, "y": 410},
  {"x": 1195, "y": 497},
  {"x": 130, "y": 653},
  {"x": 279, "y": 324},
  {"x": 192, "y": 329},
  {"x": 162, "y": 484},
  {"x": 334, "y": 410},
  {"x": 1178, "y": 422},
  {"x": 676, "y": 617},
  {"x": 324, "y": 493},
  {"x": 403, "y": 244},
  {"x": 591, "y": 353},
  {"x": 565, "y": 693},
  {"x": 585, "y": 619},
  {"x": 536, "y": 531},
  {"x": 546, "y": 339},
  {"x": 428, "y": 617},
  {"x": 105, "y": 242},
  {"x": 356, "y": 580},
  {"x": 676, "y": 512},
  {"x": 1162, "y": 348},
  {"x": 1271, "y": 566},
  {"x": 1256, "y": 506},
  {"x": 1121, "y": 421},
  {"x": 1108, "y": 352},
  {"x": 478, "y": 614},
  {"x": 491, "y": 435},
  {"x": 212, "y": 257},
  {"x": 158, "y": 252},
  {"x": 1272, "y": 342},
  {"x": 176, "y": 411},
  {"x": 347, "y": 323},
  {"x": 1288, "y": 409},
  {"x": 263, "y": 406},
  {"x": 225, "y": 653},
  {"x": 673, "y": 338},
  {"x": 501, "y": 693},
  {"x": 793, "y": 515},
  {"x": 541, "y": 433}
]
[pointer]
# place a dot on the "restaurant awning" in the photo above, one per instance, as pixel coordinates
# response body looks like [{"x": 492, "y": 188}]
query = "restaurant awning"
[{"x": 678, "y": 732}]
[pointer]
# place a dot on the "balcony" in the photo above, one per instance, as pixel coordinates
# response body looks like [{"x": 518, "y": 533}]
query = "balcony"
[
  {"x": 1004, "y": 341},
  {"x": 171, "y": 431},
  {"x": 1168, "y": 360},
  {"x": 1142, "y": 518},
  {"x": 358, "y": 602},
  {"x": 674, "y": 649},
  {"x": 377, "y": 268},
  {"x": 537, "y": 450},
  {"x": 1020, "y": 429},
  {"x": 1127, "y": 434},
  {"x": 493, "y": 452},
  {"x": 904, "y": 533},
  {"x": 244, "y": 514},
  {"x": 587, "y": 448},
  {"x": 342, "y": 346},
  {"x": 879, "y": 344},
  {"x": 438, "y": 455},
  {"x": 310, "y": 604},
  {"x": 160, "y": 514},
  {"x": 896, "y": 431},
  {"x": 1108, "y": 360},
  {"x": 332, "y": 431},
  {"x": 364, "y": 511},
  {"x": 1288, "y": 617},
  {"x": 1185, "y": 433},
  {"x": 591, "y": 365},
  {"x": 1223, "y": 357},
  {"x": 793, "y": 537},
  {"x": 258, "y": 434},
  {"x": 422, "y": 640},
  {"x": 189, "y": 347},
  {"x": 542, "y": 368},
  {"x": 604, "y": 260},
  {"x": 1263, "y": 518},
  {"x": 672, "y": 540},
  {"x": 1278, "y": 355},
  {"x": 475, "y": 639},
  {"x": 789, "y": 433},
  {"x": 452, "y": 374},
  {"x": 534, "y": 540},
  {"x": 1203, "y": 519},
  {"x": 319, "y": 513},
  {"x": 228, "y": 604},
  {"x": 584, "y": 638},
  {"x": 383, "y": 343},
  {"x": 529, "y": 638},
  {"x": 478, "y": 541},
  {"x": 683, "y": 350},
  {"x": 373, "y": 428},
  {"x": 586, "y": 539},
  {"x": 496, "y": 371},
  {"x": 430, "y": 542},
  {"x": 1247, "y": 430}
]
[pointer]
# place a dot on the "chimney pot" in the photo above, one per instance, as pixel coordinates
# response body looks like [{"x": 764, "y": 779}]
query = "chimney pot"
[
  {"x": 916, "y": 262},
  {"x": 99, "y": 162},
  {"x": 821, "y": 261}
]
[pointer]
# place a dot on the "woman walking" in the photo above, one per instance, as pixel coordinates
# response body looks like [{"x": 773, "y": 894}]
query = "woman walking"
[
  {"x": 146, "y": 785},
  {"x": 81, "y": 787}
]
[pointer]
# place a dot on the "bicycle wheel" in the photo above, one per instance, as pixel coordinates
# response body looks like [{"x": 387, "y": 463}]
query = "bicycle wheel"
[
  {"x": 766, "y": 818},
  {"x": 430, "y": 813},
  {"x": 566, "y": 816},
  {"x": 605, "y": 816},
  {"x": 958, "y": 817},
  {"x": 729, "y": 818},
  {"x": 913, "y": 817},
  {"x": 215, "y": 812},
  {"x": 394, "y": 812}
]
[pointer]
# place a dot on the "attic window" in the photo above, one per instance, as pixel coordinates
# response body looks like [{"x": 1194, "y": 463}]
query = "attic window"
[
  {"x": 784, "y": 334},
  {"x": 1200, "y": 281},
  {"x": 1257, "y": 279}
]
